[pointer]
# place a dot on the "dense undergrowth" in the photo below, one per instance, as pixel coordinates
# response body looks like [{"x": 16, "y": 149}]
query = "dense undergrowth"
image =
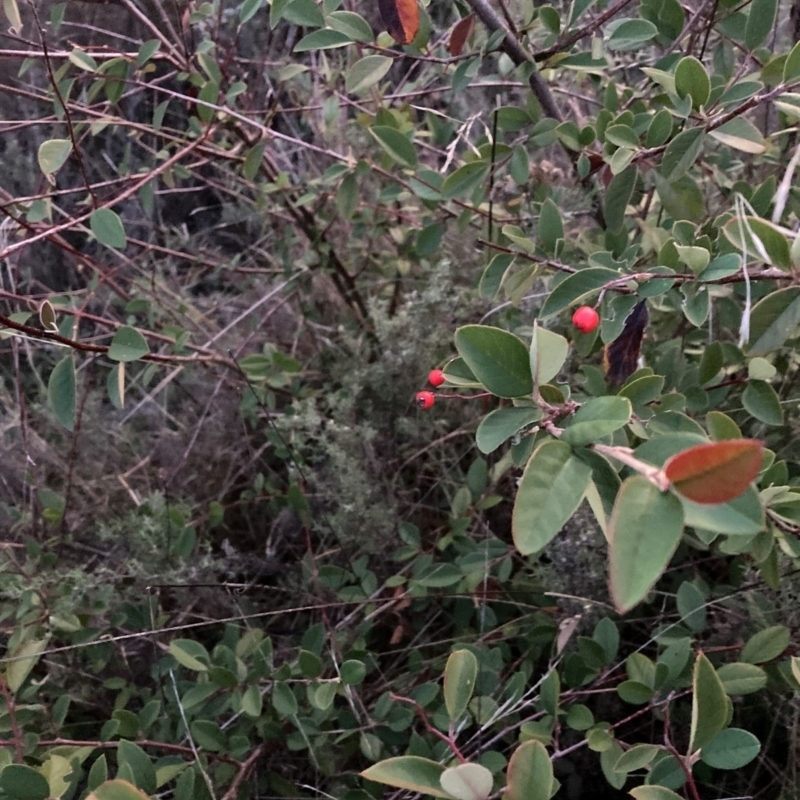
[{"x": 237, "y": 559}]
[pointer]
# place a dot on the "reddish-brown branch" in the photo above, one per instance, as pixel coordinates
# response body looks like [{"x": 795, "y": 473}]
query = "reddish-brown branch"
[
  {"x": 424, "y": 717},
  {"x": 16, "y": 736}
]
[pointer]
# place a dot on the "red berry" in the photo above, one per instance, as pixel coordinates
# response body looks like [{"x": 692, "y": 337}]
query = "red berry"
[
  {"x": 436, "y": 377},
  {"x": 585, "y": 319},
  {"x": 425, "y": 400}
]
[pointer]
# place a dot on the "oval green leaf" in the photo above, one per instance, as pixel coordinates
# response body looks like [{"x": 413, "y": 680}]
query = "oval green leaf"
[
  {"x": 502, "y": 423},
  {"x": 691, "y": 79},
  {"x": 366, "y": 72},
  {"x": 497, "y": 358},
  {"x": 530, "y": 773},
  {"x": 730, "y": 749},
  {"x": 352, "y": 25},
  {"x": 773, "y": 320},
  {"x": 107, "y": 228},
  {"x": 551, "y": 489},
  {"x": 53, "y": 154},
  {"x": 761, "y": 401},
  {"x": 61, "y": 392},
  {"x": 766, "y": 645},
  {"x": 740, "y": 678},
  {"x": 467, "y": 782},
  {"x": 21, "y": 782},
  {"x": 547, "y": 355},
  {"x": 459, "y": 682},
  {"x": 395, "y": 144},
  {"x": 743, "y": 516},
  {"x": 127, "y": 345},
  {"x": 414, "y": 773},
  {"x": 644, "y": 531},
  {"x": 631, "y": 34},
  {"x": 24, "y": 660},
  {"x": 576, "y": 287},
  {"x": 464, "y": 179},
  {"x": 325, "y": 39},
  {"x": 709, "y": 704},
  {"x": 597, "y": 418}
]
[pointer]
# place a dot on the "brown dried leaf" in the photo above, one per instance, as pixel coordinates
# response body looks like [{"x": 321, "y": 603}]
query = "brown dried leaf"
[
  {"x": 461, "y": 32},
  {"x": 401, "y": 18}
]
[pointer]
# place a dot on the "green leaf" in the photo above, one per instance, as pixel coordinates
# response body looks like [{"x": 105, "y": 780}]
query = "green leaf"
[
  {"x": 709, "y": 704},
  {"x": 740, "y": 134},
  {"x": 766, "y": 645},
  {"x": 530, "y": 773},
  {"x": 547, "y": 354},
  {"x": 460, "y": 674},
  {"x": 82, "y": 60},
  {"x": 252, "y": 702},
  {"x": 495, "y": 272},
  {"x": 352, "y": 672},
  {"x": 622, "y": 136},
  {"x": 128, "y": 345},
  {"x": 631, "y": 34},
  {"x": 644, "y": 531},
  {"x": 118, "y": 789},
  {"x": 637, "y": 757},
  {"x": 465, "y": 179},
  {"x": 551, "y": 227},
  {"x": 575, "y": 288},
  {"x": 791, "y": 68},
  {"x": 691, "y": 79},
  {"x": 762, "y": 240},
  {"x": 141, "y": 766},
  {"x": 552, "y": 487},
  {"x": 597, "y": 418},
  {"x": 25, "y": 658},
  {"x": 395, "y": 144},
  {"x": 730, "y": 749},
  {"x": 409, "y": 772},
  {"x": 107, "y": 228},
  {"x": 61, "y": 392},
  {"x": 722, "y": 267},
  {"x": 634, "y": 692},
  {"x": 761, "y": 401},
  {"x": 209, "y": 735},
  {"x": 742, "y": 516},
  {"x": 20, "y": 782},
  {"x": 653, "y": 793},
  {"x": 774, "y": 319},
  {"x": 617, "y": 198},
  {"x": 467, "y": 782},
  {"x": 739, "y": 678},
  {"x": 659, "y": 129},
  {"x": 248, "y": 9},
  {"x": 189, "y": 654},
  {"x": 760, "y": 21},
  {"x": 681, "y": 153},
  {"x": 501, "y": 424},
  {"x": 53, "y": 154},
  {"x": 352, "y": 25},
  {"x": 366, "y": 72},
  {"x": 325, "y": 39},
  {"x": 498, "y": 359},
  {"x": 283, "y": 699}
]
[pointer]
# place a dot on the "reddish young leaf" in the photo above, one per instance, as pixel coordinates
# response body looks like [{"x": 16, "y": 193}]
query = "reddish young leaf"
[
  {"x": 401, "y": 18},
  {"x": 461, "y": 32},
  {"x": 716, "y": 472}
]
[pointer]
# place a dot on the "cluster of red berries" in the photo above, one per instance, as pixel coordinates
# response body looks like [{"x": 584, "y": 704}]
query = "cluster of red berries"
[
  {"x": 426, "y": 399},
  {"x": 585, "y": 319}
]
